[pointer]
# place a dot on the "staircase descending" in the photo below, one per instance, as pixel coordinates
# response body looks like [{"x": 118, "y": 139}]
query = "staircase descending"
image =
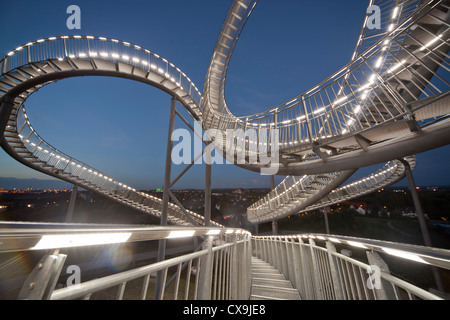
[{"x": 269, "y": 284}]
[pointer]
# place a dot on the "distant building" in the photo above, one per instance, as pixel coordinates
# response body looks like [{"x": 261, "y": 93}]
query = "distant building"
[{"x": 238, "y": 191}]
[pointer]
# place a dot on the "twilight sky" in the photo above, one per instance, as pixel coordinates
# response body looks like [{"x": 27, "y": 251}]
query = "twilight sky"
[{"x": 120, "y": 127}]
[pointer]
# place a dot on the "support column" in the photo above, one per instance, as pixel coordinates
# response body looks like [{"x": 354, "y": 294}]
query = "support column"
[
  {"x": 73, "y": 198},
  {"x": 417, "y": 205},
  {"x": 325, "y": 214},
  {"x": 274, "y": 222},
  {"x": 206, "y": 267},
  {"x": 421, "y": 219},
  {"x": 166, "y": 195},
  {"x": 208, "y": 186}
]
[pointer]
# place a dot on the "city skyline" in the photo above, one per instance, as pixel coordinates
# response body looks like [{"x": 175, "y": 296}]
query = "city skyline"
[{"x": 120, "y": 127}]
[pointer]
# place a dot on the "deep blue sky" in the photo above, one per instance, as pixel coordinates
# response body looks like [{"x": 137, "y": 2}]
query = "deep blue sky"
[{"x": 119, "y": 127}]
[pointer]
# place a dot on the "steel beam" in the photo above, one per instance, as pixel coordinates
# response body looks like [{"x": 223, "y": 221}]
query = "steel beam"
[{"x": 166, "y": 195}]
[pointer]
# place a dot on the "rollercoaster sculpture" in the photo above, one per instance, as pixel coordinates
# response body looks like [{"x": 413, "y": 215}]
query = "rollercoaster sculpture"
[{"x": 387, "y": 104}]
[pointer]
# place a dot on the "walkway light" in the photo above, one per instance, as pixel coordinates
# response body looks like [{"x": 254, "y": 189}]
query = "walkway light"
[
  {"x": 431, "y": 42},
  {"x": 398, "y": 65},
  {"x": 404, "y": 255},
  {"x": 180, "y": 234},
  {"x": 357, "y": 244},
  {"x": 395, "y": 12},
  {"x": 78, "y": 240}
]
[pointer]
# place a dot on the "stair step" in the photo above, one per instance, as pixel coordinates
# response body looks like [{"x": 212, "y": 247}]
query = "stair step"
[{"x": 269, "y": 284}]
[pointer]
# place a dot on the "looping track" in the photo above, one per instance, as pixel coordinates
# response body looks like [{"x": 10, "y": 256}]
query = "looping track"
[{"x": 390, "y": 102}]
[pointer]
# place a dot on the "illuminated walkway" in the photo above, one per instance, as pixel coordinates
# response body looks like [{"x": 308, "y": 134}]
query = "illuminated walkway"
[{"x": 390, "y": 102}]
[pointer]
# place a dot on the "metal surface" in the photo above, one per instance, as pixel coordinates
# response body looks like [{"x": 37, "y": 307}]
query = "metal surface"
[
  {"x": 389, "y": 102},
  {"x": 319, "y": 272}
]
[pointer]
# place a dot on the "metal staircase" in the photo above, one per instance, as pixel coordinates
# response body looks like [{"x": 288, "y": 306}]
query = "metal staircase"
[{"x": 269, "y": 284}]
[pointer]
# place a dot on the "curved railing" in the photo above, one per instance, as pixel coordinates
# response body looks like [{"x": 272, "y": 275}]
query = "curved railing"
[
  {"x": 289, "y": 196},
  {"x": 100, "y": 49},
  {"x": 35, "y": 150},
  {"x": 374, "y": 90},
  {"x": 390, "y": 90},
  {"x": 367, "y": 102},
  {"x": 318, "y": 266},
  {"x": 85, "y": 55}
]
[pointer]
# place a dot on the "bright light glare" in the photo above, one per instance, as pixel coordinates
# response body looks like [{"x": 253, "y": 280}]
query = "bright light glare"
[
  {"x": 180, "y": 234},
  {"x": 398, "y": 65},
  {"x": 404, "y": 255},
  {"x": 356, "y": 244},
  {"x": 394, "y": 14},
  {"x": 79, "y": 240},
  {"x": 213, "y": 232},
  {"x": 431, "y": 42}
]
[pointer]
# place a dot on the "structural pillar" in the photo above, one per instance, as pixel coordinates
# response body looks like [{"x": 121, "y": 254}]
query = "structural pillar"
[
  {"x": 207, "y": 212},
  {"x": 73, "y": 198},
  {"x": 421, "y": 219},
  {"x": 325, "y": 214},
  {"x": 166, "y": 196},
  {"x": 417, "y": 205},
  {"x": 274, "y": 222}
]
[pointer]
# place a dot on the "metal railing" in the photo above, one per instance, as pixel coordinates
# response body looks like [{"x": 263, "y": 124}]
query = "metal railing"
[
  {"x": 290, "y": 196},
  {"x": 219, "y": 269},
  {"x": 374, "y": 88},
  {"x": 320, "y": 272},
  {"x": 40, "y": 153},
  {"x": 61, "y": 48}
]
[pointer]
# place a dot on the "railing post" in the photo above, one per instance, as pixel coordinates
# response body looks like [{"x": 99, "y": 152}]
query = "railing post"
[
  {"x": 234, "y": 270},
  {"x": 315, "y": 271},
  {"x": 290, "y": 260},
  {"x": 334, "y": 271},
  {"x": 297, "y": 267},
  {"x": 308, "y": 125},
  {"x": 249, "y": 266},
  {"x": 286, "y": 259},
  {"x": 206, "y": 267},
  {"x": 385, "y": 291},
  {"x": 41, "y": 282},
  {"x": 306, "y": 271}
]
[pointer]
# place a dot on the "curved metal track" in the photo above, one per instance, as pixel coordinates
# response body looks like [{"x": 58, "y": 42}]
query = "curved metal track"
[
  {"x": 388, "y": 103},
  {"x": 38, "y": 63}
]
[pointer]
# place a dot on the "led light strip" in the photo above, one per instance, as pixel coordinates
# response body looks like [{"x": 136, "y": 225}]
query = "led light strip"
[{"x": 80, "y": 240}]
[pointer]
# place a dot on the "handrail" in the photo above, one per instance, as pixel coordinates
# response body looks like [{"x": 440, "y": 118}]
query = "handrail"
[
  {"x": 266, "y": 209},
  {"x": 222, "y": 268},
  {"x": 86, "y": 47},
  {"x": 319, "y": 272},
  {"x": 350, "y": 100}
]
